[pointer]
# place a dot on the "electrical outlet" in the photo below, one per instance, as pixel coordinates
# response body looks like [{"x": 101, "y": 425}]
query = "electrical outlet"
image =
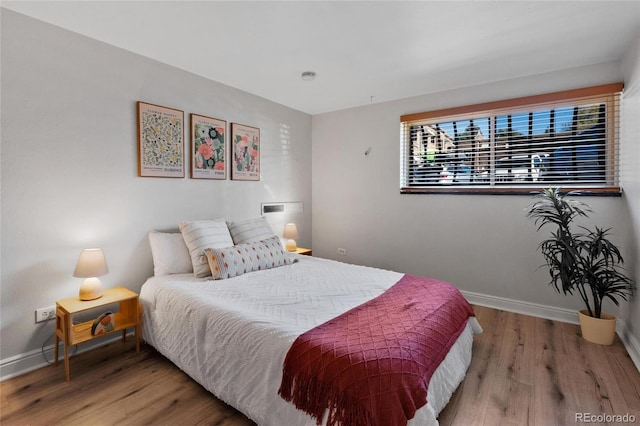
[
  {"x": 342, "y": 251},
  {"x": 45, "y": 314}
]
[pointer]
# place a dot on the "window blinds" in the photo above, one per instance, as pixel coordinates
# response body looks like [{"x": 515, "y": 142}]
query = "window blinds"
[{"x": 567, "y": 139}]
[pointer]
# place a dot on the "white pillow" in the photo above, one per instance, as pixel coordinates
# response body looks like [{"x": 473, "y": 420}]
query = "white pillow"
[
  {"x": 170, "y": 254},
  {"x": 202, "y": 234},
  {"x": 230, "y": 262},
  {"x": 250, "y": 230}
]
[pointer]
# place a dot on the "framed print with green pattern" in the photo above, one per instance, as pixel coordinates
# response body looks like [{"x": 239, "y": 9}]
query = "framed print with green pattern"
[
  {"x": 245, "y": 146},
  {"x": 160, "y": 141}
]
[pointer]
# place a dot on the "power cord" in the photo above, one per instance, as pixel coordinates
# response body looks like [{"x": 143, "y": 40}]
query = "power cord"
[{"x": 44, "y": 354}]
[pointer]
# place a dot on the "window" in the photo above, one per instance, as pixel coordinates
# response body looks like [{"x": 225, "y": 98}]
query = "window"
[{"x": 567, "y": 139}]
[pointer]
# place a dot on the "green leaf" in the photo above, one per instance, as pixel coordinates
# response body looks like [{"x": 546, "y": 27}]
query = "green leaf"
[{"x": 585, "y": 261}]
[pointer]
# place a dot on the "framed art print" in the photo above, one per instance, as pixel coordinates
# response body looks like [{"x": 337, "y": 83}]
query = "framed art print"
[
  {"x": 245, "y": 145},
  {"x": 160, "y": 141},
  {"x": 208, "y": 149}
]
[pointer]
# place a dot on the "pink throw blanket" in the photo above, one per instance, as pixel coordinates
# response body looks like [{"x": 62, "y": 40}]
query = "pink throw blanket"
[{"x": 372, "y": 364}]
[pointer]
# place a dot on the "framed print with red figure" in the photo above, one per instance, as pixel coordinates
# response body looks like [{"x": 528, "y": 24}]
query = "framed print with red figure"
[
  {"x": 208, "y": 148},
  {"x": 245, "y": 147}
]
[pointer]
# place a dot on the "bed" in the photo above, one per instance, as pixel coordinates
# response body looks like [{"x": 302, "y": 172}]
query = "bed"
[{"x": 232, "y": 335}]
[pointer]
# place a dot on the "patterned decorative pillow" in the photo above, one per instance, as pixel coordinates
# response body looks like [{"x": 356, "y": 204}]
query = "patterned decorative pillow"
[
  {"x": 201, "y": 234},
  {"x": 250, "y": 230},
  {"x": 242, "y": 258}
]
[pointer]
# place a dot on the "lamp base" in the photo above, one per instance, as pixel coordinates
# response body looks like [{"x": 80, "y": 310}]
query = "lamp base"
[
  {"x": 291, "y": 245},
  {"x": 90, "y": 289}
]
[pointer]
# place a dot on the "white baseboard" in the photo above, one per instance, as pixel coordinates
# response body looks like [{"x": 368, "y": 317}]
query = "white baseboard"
[
  {"x": 553, "y": 313},
  {"x": 23, "y": 363},
  {"x": 630, "y": 342},
  {"x": 32, "y": 360},
  {"x": 526, "y": 308}
]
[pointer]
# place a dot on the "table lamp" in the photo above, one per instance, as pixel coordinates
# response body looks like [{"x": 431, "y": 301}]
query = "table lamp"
[
  {"x": 91, "y": 265},
  {"x": 290, "y": 233}
]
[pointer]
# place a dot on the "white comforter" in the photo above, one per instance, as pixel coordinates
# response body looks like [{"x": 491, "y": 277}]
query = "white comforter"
[{"x": 232, "y": 336}]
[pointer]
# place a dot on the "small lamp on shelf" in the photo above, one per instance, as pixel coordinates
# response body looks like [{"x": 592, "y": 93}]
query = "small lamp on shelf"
[
  {"x": 290, "y": 233},
  {"x": 91, "y": 265}
]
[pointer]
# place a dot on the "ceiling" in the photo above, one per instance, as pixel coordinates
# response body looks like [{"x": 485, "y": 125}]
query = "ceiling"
[{"x": 362, "y": 51}]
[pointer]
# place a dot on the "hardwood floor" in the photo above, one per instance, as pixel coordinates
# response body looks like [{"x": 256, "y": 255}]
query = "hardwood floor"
[
  {"x": 525, "y": 371},
  {"x": 531, "y": 371}
]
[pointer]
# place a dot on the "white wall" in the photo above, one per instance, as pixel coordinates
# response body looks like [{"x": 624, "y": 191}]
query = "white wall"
[
  {"x": 69, "y": 168},
  {"x": 481, "y": 243},
  {"x": 631, "y": 182}
]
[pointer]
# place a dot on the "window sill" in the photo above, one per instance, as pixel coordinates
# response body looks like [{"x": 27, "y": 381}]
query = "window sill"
[{"x": 609, "y": 191}]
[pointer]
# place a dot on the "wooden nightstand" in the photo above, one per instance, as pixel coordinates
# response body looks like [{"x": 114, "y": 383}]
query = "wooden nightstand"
[
  {"x": 73, "y": 334},
  {"x": 304, "y": 251}
]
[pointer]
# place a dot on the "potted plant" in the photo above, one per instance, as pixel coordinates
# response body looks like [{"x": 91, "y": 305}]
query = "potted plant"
[{"x": 582, "y": 260}]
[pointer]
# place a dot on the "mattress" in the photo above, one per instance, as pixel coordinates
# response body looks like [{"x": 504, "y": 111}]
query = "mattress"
[{"x": 232, "y": 335}]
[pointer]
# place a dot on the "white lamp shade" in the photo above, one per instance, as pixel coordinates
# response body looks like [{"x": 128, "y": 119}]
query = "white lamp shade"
[
  {"x": 290, "y": 231},
  {"x": 91, "y": 265}
]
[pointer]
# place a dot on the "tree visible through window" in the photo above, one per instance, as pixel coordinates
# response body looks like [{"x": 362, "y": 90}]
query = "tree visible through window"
[{"x": 569, "y": 142}]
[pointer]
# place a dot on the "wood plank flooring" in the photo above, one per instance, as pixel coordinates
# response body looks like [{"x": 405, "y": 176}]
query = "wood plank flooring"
[
  {"x": 525, "y": 371},
  {"x": 531, "y": 371}
]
